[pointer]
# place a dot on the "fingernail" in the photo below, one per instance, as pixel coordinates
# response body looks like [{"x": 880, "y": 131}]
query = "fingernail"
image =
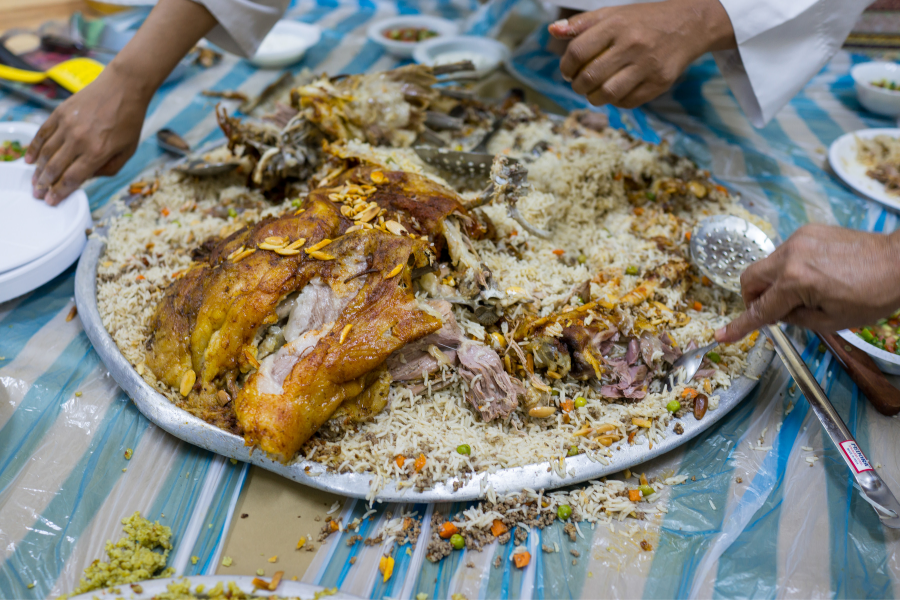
[
  {"x": 39, "y": 192},
  {"x": 50, "y": 199},
  {"x": 566, "y": 78},
  {"x": 560, "y": 23},
  {"x": 720, "y": 334}
]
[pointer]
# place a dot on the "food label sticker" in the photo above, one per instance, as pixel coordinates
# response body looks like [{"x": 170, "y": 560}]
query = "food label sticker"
[{"x": 855, "y": 456}]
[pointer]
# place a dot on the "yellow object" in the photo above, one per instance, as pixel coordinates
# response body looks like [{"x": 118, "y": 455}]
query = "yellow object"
[
  {"x": 386, "y": 566},
  {"x": 74, "y": 74}
]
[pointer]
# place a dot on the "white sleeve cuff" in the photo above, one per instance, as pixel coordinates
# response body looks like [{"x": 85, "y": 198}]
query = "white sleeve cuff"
[
  {"x": 243, "y": 23},
  {"x": 772, "y": 64}
]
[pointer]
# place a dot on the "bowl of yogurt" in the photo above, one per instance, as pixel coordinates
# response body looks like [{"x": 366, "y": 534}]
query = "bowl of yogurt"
[
  {"x": 286, "y": 44},
  {"x": 485, "y": 53}
]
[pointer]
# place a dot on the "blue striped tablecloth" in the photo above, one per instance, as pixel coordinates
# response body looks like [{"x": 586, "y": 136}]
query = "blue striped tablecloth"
[{"x": 786, "y": 530}]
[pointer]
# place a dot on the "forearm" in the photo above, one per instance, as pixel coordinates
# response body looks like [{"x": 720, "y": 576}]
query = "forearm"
[{"x": 172, "y": 28}]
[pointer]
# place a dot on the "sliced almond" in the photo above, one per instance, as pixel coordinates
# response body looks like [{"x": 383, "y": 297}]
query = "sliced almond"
[
  {"x": 368, "y": 214},
  {"x": 187, "y": 382},
  {"x": 235, "y": 253},
  {"x": 320, "y": 255},
  {"x": 318, "y": 246},
  {"x": 296, "y": 244},
  {"x": 286, "y": 252},
  {"x": 250, "y": 355},
  {"x": 276, "y": 240},
  {"x": 347, "y": 211},
  {"x": 268, "y": 246},
  {"x": 345, "y": 331},
  {"x": 243, "y": 255},
  {"x": 395, "y": 271},
  {"x": 223, "y": 397},
  {"x": 354, "y": 228},
  {"x": 541, "y": 412}
]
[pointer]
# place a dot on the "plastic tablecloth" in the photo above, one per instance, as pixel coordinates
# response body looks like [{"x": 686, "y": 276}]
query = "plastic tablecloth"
[{"x": 754, "y": 519}]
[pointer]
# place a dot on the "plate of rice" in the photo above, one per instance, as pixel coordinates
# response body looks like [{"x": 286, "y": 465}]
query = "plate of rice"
[
  {"x": 869, "y": 162},
  {"x": 561, "y": 308}
]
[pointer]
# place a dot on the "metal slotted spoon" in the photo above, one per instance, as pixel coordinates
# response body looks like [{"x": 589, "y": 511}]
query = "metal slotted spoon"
[{"x": 722, "y": 247}]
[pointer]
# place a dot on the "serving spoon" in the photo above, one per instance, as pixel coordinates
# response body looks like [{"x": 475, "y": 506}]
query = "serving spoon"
[
  {"x": 722, "y": 247},
  {"x": 171, "y": 142}
]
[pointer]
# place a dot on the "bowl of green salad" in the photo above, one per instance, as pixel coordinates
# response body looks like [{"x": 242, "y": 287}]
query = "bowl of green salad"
[{"x": 881, "y": 341}]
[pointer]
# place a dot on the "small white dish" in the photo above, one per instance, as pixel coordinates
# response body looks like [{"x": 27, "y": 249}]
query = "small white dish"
[
  {"x": 37, "y": 242},
  {"x": 884, "y": 360},
  {"x": 376, "y": 32},
  {"x": 154, "y": 587},
  {"x": 286, "y": 44},
  {"x": 842, "y": 158},
  {"x": 18, "y": 131},
  {"x": 487, "y": 54},
  {"x": 876, "y": 99}
]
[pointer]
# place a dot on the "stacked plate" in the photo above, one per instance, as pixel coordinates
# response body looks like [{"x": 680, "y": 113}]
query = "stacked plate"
[{"x": 37, "y": 241}]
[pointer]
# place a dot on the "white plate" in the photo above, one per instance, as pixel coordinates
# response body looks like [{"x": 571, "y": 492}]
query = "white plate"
[
  {"x": 842, "y": 157},
  {"x": 442, "y": 27},
  {"x": 37, "y": 242},
  {"x": 154, "y": 587},
  {"x": 489, "y": 52},
  {"x": 303, "y": 36},
  {"x": 18, "y": 131}
]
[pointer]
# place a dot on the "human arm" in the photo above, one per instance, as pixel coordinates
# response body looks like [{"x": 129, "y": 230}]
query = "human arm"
[
  {"x": 96, "y": 131},
  {"x": 627, "y": 55},
  {"x": 822, "y": 278}
]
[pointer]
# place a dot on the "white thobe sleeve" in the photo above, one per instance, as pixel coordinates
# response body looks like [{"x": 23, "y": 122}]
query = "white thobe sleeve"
[
  {"x": 782, "y": 44},
  {"x": 243, "y": 23}
]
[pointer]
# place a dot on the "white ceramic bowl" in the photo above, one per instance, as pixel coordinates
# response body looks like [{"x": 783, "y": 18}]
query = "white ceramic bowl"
[
  {"x": 442, "y": 27},
  {"x": 286, "y": 44},
  {"x": 486, "y": 53},
  {"x": 887, "y": 362},
  {"x": 18, "y": 131},
  {"x": 876, "y": 99}
]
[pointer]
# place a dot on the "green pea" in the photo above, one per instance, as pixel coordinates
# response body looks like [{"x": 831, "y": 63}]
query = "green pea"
[
  {"x": 296, "y": 202},
  {"x": 651, "y": 195},
  {"x": 573, "y": 451},
  {"x": 673, "y": 406},
  {"x": 464, "y": 449},
  {"x": 582, "y": 259},
  {"x": 580, "y": 402},
  {"x": 554, "y": 392},
  {"x": 646, "y": 490},
  {"x": 127, "y": 215},
  {"x": 564, "y": 512},
  {"x": 714, "y": 357},
  {"x": 457, "y": 541},
  {"x": 232, "y": 213},
  {"x": 631, "y": 270}
]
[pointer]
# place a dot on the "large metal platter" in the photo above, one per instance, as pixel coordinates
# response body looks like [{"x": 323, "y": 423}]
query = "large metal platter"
[{"x": 189, "y": 428}]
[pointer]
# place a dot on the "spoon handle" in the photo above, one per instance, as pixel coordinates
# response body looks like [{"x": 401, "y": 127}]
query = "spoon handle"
[{"x": 872, "y": 485}]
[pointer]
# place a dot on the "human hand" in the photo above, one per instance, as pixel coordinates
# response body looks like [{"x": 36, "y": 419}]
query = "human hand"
[
  {"x": 822, "y": 278},
  {"x": 628, "y": 55},
  {"x": 94, "y": 132}
]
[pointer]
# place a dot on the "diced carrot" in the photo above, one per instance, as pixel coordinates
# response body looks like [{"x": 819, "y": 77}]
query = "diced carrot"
[
  {"x": 139, "y": 278},
  {"x": 522, "y": 559},
  {"x": 447, "y": 529},
  {"x": 618, "y": 176},
  {"x": 498, "y": 528},
  {"x": 420, "y": 463},
  {"x": 568, "y": 405},
  {"x": 259, "y": 584},
  {"x": 634, "y": 495},
  {"x": 687, "y": 236},
  {"x": 400, "y": 460},
  {"x": 638, "y": 210},
  {"x": 689, "y": 393},
  {"x": 559, "y": 252},
  {"x": 513, "y": 232},
  {"x": 631, "y": 436},
  {"x": 721, "y": 189},
  {"x": 697, "y": 306},
  {"x": 705, "y": 281},
  {"x": 165, "y": 211},
  {"x": 333, "y": 525}
]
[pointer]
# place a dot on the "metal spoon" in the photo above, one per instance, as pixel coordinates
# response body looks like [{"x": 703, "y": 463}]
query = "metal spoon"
[
  {"x": 688, "y": 364},
  {"x": 722, "y": 247},
  {"x": 171, "y": 142}
]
